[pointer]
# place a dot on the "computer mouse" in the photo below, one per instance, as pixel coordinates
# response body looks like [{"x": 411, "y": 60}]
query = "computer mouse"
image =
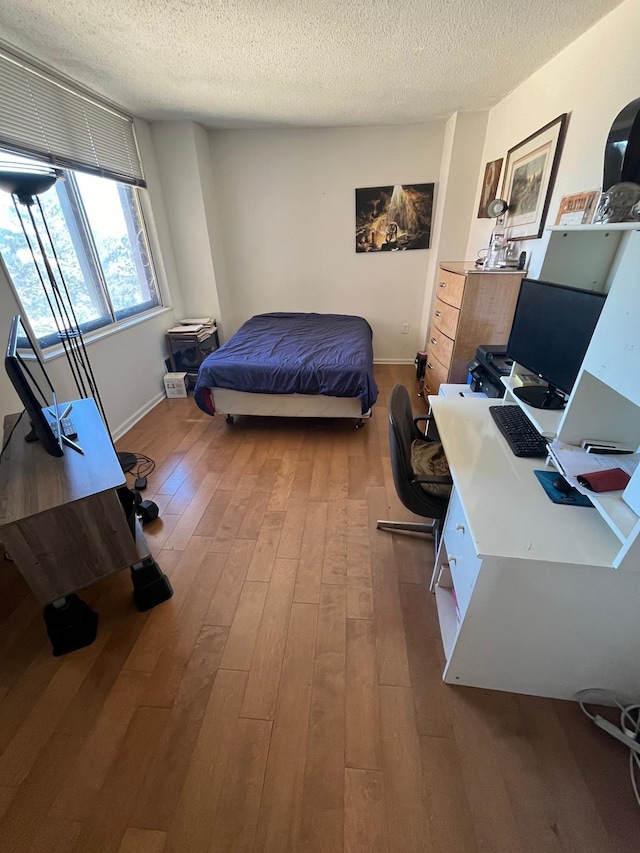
[{"x": 561, "y": 485}]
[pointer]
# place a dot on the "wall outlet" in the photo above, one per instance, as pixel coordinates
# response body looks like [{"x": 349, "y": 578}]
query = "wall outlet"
[{"x": 405, "y": 328}]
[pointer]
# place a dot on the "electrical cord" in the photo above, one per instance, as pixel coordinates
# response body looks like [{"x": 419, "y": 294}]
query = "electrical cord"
[
  {"x": 13, "y": 428},
  {"x": 144, "y": 465},
  {"x": 628, "y": 733}
]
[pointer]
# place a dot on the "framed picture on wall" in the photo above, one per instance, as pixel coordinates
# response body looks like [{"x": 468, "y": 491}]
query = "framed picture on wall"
[
  {"x": 528, "y": 179},
  {"x": 489, "y": 186},
  {"x": 395, "y": 218}
]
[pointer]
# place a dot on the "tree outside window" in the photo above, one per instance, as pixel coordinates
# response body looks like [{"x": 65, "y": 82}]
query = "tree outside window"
[{"x": 98, "y": 235}]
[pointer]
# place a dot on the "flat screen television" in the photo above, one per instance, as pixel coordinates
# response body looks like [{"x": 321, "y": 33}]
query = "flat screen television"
[
  {"x": 33, "y": 386},
  {"x": 552, "y": 328}
]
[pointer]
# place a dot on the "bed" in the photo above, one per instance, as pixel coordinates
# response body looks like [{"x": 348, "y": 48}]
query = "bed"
[{"x": 292, "y": 365}]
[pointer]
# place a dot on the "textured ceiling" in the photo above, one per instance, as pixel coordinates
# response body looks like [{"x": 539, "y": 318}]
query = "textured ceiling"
[{"x": 298, "y": 63}]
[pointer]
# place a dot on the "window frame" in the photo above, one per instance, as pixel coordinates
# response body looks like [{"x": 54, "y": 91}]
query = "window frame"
[{"x": 81, "y": 234}]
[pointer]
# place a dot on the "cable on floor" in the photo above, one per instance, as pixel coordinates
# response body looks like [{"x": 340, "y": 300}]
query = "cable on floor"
[
  {"x": 144, "y": 465},
  {"x": 628, "y": 733}
]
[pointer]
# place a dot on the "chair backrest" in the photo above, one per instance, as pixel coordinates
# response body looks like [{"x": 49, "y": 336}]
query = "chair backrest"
[{"x": 402, "y": 432}]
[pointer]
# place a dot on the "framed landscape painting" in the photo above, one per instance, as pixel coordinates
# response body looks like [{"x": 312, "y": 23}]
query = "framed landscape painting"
[{"x": 528, "y": 179}]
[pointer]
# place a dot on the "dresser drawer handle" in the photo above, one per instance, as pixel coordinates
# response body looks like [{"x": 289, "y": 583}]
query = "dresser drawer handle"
[
  {"x": 430, "y": 366},
  {"x": 443, "y": 284},
  {"x": 453, "y": 559},
  {"x": 460, "y": 527},
  {"x": 438, "y": 313},
  {"x": 434, "y": 341}
]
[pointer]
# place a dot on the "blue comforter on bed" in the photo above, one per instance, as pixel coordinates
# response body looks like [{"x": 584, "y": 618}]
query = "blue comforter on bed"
[{"x": 291, "y": 353}]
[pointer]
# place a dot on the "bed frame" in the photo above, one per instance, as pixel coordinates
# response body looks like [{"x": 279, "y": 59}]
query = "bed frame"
[{"x": 234, "y": 403}]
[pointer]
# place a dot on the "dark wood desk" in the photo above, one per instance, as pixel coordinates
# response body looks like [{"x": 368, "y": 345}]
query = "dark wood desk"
[{"x": 60, "y": 517}]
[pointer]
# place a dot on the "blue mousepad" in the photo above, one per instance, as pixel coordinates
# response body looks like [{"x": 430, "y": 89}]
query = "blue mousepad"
[{"x": 572, "y": 498}]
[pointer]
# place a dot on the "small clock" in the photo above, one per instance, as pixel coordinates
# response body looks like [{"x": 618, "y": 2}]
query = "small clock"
[{"x": 497, "y": 207}]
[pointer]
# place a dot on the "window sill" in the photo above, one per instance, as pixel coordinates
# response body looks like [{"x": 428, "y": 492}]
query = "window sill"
[{"x": 106, "y": 331}]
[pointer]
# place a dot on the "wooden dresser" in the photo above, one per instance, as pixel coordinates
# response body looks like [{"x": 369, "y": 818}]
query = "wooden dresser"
[{"x": 471, "y": 307}]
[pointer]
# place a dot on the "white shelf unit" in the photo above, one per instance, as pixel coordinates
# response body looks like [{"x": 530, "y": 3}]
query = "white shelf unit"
[
  {"x": 596, "y": 228},
  {"x": 549, "y": 595},
  {"x": 546, "y": 421}
]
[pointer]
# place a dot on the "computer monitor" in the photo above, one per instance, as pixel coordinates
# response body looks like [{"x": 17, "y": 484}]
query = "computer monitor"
[
  {"x": 551, "y": 330},
  {"x": 33, "y": 386}
]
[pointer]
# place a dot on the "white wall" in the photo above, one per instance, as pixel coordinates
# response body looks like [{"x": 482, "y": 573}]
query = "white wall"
[
  {"x": 461, "y": 158},
  {"x": 286, "y": 203},
  {"x": 592, "y": 79},
  {"x": 180, "y": 167}
]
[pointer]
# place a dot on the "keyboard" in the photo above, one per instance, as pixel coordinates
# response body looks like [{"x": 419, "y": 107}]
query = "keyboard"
[{"x": 522, "y": 437}]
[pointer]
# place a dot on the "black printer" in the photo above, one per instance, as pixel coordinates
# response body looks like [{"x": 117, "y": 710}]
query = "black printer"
[{"x": 491, "y": 363}]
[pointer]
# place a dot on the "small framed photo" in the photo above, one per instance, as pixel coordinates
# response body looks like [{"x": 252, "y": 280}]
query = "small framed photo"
[
  {"x": 528, "y": 179},
  {"x": 489, "y": 186},
  {"x": 577, "y": 209}
]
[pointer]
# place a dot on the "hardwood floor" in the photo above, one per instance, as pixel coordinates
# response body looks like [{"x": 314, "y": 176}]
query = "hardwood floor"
[{"x": 289, "y": 696}]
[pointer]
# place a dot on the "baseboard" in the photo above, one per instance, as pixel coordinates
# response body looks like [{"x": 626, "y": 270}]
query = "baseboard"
[{"x": 138, "y": 415}]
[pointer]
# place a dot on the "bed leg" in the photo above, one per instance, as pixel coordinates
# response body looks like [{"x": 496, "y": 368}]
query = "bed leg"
[
  {"x": 359, "y": 424},
  {"x": 229, "y": 419}
]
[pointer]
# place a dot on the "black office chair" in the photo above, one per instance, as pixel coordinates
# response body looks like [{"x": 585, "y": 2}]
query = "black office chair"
[{"x": 403, "y": 430}]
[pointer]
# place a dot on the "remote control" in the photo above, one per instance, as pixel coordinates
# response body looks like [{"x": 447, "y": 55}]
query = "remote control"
[{"x": 68, "y": 428}]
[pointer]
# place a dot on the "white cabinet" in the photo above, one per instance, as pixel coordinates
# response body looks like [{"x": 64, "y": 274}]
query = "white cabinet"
[{"x": 536, "y": 597}]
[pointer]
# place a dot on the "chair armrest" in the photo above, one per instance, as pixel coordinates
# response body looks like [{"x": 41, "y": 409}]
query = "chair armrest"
[
  {"x": 429, "y": 420},
  {"x": 445, "y": 479}
]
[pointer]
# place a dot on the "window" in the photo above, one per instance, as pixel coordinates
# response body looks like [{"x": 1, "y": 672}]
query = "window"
[{"x": 98, "y": 235}]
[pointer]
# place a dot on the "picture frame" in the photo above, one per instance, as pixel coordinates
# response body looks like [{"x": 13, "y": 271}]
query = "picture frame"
[
  {"x": 577, "y": 209},
  {"x": 529, "y": 175},
  {"x": 393, "y": 218},
  {"x": 489, "y": 186}
]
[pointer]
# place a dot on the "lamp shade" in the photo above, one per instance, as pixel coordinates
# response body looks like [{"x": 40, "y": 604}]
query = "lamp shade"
[{"x": 26, "y": 182}]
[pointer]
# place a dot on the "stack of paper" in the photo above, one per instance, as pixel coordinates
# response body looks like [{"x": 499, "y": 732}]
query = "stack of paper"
[{"x": 185, "y": 330}]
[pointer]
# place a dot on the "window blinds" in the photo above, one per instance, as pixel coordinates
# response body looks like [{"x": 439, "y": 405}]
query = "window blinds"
[{"x": 49, "y": 119}]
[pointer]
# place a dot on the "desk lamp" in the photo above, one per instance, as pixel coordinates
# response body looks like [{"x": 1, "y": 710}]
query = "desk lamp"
[{"x": 25, "y": 185}]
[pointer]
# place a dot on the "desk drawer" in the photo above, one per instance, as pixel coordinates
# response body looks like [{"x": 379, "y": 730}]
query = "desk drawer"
[
  {"x": 463, "y": 560},
  {"x": 435, "y": 374},
  {"x": 451, "y": 287},
  {"x": 440, "y": 346},
  {"x": 445, "y": 318}
]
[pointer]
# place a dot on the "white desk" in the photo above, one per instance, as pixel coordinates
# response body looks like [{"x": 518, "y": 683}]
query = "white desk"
[
  {"x": 540, "y": 608},
  {"x": 453, "y": 390}
]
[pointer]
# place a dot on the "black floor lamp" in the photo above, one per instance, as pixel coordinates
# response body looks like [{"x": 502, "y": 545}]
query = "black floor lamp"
[
  {"x": 25, "y": 185},
  {"x": 71, "y": 624}
]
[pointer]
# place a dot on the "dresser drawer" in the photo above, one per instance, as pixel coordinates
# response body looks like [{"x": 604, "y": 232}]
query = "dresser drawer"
[
  {"x": 440, "y": 346},
  {"x": 463, "y": 560},
  {"x": 446, "y": 317},
  {"x": 451, "y": 287},
  {"x": 435, "y": 374}
]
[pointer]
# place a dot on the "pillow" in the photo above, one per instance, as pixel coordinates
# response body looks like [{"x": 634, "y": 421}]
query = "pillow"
[{"x": 427, "y": 458}]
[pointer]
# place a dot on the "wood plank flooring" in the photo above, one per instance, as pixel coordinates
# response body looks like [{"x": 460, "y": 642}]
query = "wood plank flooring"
[{"x": 289, "y": 696}]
